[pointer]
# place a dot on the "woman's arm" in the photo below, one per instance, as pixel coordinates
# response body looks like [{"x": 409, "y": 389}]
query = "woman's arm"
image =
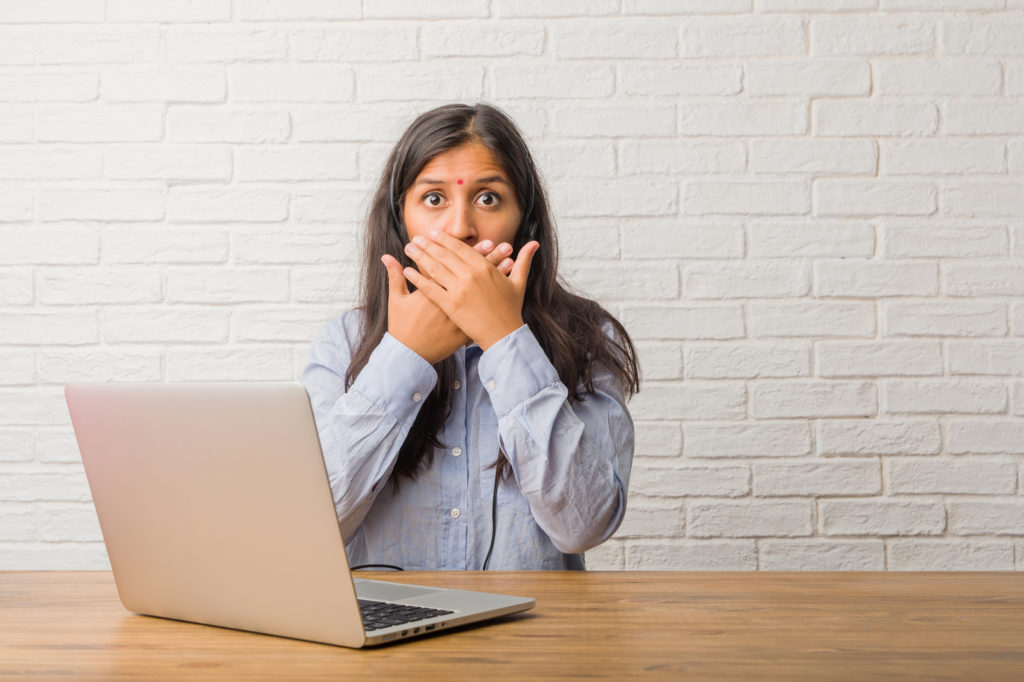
[
  {"x": 572, "y": 462},
  {"x": 362, "y": 430}
]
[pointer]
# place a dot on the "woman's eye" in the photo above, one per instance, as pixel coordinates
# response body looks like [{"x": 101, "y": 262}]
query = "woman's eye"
[
  {"x": 493, "y": 199},
  {"x": 430, "y": 199}
]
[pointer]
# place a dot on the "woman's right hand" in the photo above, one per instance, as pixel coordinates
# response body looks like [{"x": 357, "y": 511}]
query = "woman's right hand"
[{"x": 417, "y": 322}]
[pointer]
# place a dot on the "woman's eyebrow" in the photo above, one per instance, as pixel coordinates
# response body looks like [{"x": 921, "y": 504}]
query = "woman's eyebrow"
[{"x": 479, "y": 181}]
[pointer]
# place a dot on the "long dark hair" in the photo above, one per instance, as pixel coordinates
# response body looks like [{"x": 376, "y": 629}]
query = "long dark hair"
[{"x": 567, "y": 326}]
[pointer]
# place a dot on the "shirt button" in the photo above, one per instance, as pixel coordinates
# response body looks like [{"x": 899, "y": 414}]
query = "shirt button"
[
  {"x": 490, "y": 385},
  {"x": 456, "y": 451},
  {"x": 457, "y": 385},
  {"x": 417, "y": 396},
  {"x": 455, "y": 513}
]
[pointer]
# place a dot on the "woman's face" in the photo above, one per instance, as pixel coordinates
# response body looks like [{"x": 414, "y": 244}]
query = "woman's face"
[{"x": 466, "y": 193}]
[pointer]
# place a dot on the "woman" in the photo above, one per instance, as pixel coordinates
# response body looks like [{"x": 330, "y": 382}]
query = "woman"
[{"x": 450, "y": 438}]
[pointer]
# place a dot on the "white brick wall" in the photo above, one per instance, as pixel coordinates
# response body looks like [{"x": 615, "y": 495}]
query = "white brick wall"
[{"x": 808, "y": 214}]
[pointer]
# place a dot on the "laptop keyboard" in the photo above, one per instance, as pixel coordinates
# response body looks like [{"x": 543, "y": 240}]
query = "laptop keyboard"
[{"x": 382, "y": 614}]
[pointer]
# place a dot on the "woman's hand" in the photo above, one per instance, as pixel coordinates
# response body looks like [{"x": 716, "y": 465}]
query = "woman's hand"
[
  {"x": 417, "y": 322},
  {"x": 482, "y": 302}
]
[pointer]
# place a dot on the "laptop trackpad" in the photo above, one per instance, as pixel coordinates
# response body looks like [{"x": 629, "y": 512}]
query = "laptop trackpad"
[{"x": 381, "y": 591}]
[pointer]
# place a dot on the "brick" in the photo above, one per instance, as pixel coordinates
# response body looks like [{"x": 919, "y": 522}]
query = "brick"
[
  {"x": 812, "y": 319},
  {"x": 586, "y": 238},
  {"x": 205, "y": 124},
  {"x": 968, "y": 437},
  {"x": 63, "y": 366},
  {"x": 178, "y": 11},
  {"x": 99, "y": 123},
  {"x": 69, "y": 327},
  {"x": 701, "y": 7},
  {"x": 700, "y": 555},
  {"x": 30, "y": 405},
  {"x": 299, "y": 10},
  {"x": 971, "y": 199},
  {"x": 954, "y": 476},
  {"x": 611, "y": 281},
  {"x": 18, "y": 46},
  {"x": 588, "y": 120},
  {"x": 225, "y": 44},
  {"x": 621, "y": 38},
  {"x": 729, "y": 118},
  {"x": 227, "y": 203},
  {"x": 870, "y": 437},
  {"x": 720, "y": 481},
  {"x": 168, "y": 162},
  {"x": 100, "y": 44},
  {"x": 692, "y": 400},
  {"x": 838, "y": 278},
  {"x": 940, "y": 5},
  {"x": 871, "y": 36},
  {"x": 164, "y": 244},
  {"x": 793, "y": 398},
  {"x": 1015, "y": 82},
  {"x": 847, "y": 359},
  {"x": 319, "y": 123},
  {"x": 16, "y": 287},
  {"x": 45, "y": 11},
  {"x": 984, "y": 517},
  {"x": 566, "y": 8},
  {"x": 360, "y": 43},
  {"x": 1016, "y": 152},
  {"x": 945, "y": 318},
  {"x": 428, "y": 81},
  {"x": 658, "y": 439},
  {"x": 574, "y": 158},
  {"x": 254, "y": 245},
  {"x": 647, "y": 522},
  {"x": 626, "y": 197},
  {"x": 999, "y": 358},
  {"x": 817, "y": 239},
  {"x": 325, "y": 203},
  {"x": 289, "y": 83},
  {"x": 57, "y": 444},
  {"x": 994, "y": 35},
  {"x": 881, "y": 517},
  {"x": 609, "y": 556},
  {"x": 69, "y": 522},
  {"x": 540, "y": 80},
  {"x": 660, "y": 360},
  {"x": 71, "y": 286},
  {"x": 749, "y": 519},
  {"x": 953, "y": 240},
  {"x": 873, "y": 118},
  {"x": 15, "y": 445},
  {"x": 295, "y": 162},
  {"x": 830, "y": 477},
  {"x": 742, "y": 37},
  {"x": 660, "y": 238},
  {"x": 680, "y": 156},
  {"x": 746, "y": 439},
  {"x": 226, "y": 285},
  {"x": 412, "y": 9},
  {"x": 746, "y": 198},
  {"x": 47, "y": 86},
  {"x": 818, "y": 555},
  {"x": 64, "y": 556},
  {"x": 19, "y": 524},
  {"x": 949, "y": 555},
  {"x": 949, "y": 156},
  {"x": 848, "y": 197},
  {"x": 266, "y": 323},
  {"x": 812, "y": 77},
  {"x": 679, "y": 79},
  {"x": 79, "y": 203},
  {"x": 746, "y": 279},
  {"x": 977, "y": 116},
  {"x": 165, "y": 324},
  {"x": 16, "y": 123},
  {"x": 165, "y": 84},
  {"x": 834, "y": 156},
  {"x": 984, "y": 280},
  {"x": 18, "y": 367},
  {"x": 959, "y": 77},
  {"x": 748, "y": 360},
  {"x": 945, "y": 396},
  {"x": 672, "y": 322},
  {"x": 244, "y": 363}
]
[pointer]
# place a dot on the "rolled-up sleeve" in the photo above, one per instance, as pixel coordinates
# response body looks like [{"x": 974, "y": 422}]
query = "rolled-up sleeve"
[
  {"x": 571, "y": 462},
  {"x": 362, "y": 430}
]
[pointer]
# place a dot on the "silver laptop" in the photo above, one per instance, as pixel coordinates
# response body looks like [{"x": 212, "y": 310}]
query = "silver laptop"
[{"x": 215, "y": 508}]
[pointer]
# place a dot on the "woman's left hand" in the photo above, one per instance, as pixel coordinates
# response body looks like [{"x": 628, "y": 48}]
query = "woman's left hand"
[{"x": 474, "y": 294}]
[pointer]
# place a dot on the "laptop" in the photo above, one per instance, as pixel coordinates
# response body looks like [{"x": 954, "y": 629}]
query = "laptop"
[{"x": 215, "y": 508}]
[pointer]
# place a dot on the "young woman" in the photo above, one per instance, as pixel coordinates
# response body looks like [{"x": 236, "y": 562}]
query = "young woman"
[{"x": 471, "y": 410}]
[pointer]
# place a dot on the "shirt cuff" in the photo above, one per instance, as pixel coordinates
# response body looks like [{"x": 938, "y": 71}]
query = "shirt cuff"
[
  {"x": 514, "y": 369},
  {"x": 397, "y": 378}
]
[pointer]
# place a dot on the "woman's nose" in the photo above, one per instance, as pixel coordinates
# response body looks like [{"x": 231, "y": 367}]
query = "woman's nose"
[{"x": 462, "y": 224}]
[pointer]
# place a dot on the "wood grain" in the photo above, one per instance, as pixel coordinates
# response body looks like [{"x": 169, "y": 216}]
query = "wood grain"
[{"x": 658, "y": 625}]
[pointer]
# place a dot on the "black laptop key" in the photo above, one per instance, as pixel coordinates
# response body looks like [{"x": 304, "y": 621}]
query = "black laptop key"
[{"x": 380, "y": 614}]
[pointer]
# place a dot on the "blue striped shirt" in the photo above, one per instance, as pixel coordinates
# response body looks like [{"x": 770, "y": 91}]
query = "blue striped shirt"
[{"x": 571, "y": 463}]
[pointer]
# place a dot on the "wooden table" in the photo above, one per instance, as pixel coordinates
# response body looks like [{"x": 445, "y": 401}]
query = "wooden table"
[{"x": 714, "y": 626}]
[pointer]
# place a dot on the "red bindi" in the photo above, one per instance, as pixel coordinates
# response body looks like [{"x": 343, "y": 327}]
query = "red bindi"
[{"x": 460, "y": 181}]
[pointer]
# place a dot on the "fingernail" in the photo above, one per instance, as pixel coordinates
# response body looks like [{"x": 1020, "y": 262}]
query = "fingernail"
[
  {"x": 434, "y": 233},
  {"x": 486, "y": 244},
  {"x": 411, "y": 249},
  {"x": 420, "y": 240},
  {"x": 505, "y": 248}
]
